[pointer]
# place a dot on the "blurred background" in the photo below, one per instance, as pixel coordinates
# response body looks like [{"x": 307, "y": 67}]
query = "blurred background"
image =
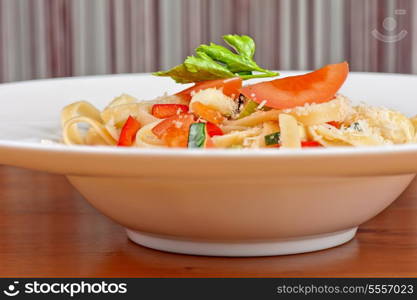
[{"x": 54, "y": 38}]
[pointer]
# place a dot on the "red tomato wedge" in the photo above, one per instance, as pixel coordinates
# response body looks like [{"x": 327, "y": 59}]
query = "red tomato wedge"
[
  {"x": 231, "y": 87},
  {"x": 163, "y": 111},
  {"x": 310, "y": 144},
  {"x": 128, "y": 133},
  {"x": 213, "y": 129},
  {"x": 315, "y": 87},
  {"x": 174, "y": 130}
]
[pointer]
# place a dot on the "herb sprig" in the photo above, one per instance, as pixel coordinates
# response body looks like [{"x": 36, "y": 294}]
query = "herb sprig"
[{"x": 215, "y": 62}]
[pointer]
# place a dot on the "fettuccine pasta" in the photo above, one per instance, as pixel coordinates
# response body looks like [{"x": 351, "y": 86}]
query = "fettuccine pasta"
[
  {"x": 223, "y": 114},
  {"x": 332, "y": 124}
]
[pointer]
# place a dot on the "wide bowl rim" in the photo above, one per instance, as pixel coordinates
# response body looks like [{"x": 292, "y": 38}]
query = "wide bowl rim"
[
  {"x": 181, "y": 152},
  {"x": 339, "y": 151},
  {"x": 35, "y": 155}
]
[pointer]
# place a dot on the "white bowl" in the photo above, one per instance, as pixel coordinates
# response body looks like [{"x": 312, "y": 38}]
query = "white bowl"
[{"x": 213, "y": 202}]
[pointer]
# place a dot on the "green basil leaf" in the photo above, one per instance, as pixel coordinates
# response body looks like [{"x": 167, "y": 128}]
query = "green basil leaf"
[
  {"x": 244, "y": 45},
  {"x": 216, "y": 62},
  {"x": 206, "y": 67},
  {"x": 195, "y": 69},
  {"x": 180, "y": 74},
  {"x": 234, "y": 62}
]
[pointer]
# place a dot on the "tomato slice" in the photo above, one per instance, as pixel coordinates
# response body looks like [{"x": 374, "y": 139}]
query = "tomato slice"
[
  {"x": 315, "y": 87},
  {"x": 163, "y": 111},
  {"x": 231, "y": 87},
  {"x": 176, "y": 137},
  {"x": 213, "y": 129},
  {"x": 174, "y": 130},
  {"x": 310, "y": 144},
  {"x": 181, "y": 121},
  {"x": 128, "y": 133}
]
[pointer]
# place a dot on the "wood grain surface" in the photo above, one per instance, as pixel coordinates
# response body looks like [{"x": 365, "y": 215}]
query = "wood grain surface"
[{"x": 47, "y": 229}]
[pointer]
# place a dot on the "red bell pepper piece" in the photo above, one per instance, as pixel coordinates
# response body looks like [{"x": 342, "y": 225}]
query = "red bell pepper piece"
[
  {"x": 305, "y": 144},
  {"x": 163, "y": 111},
  {"x": 128, "y": 133},
  {"x": 310, "y": 144},
  {"x": 213, "y": 129}
]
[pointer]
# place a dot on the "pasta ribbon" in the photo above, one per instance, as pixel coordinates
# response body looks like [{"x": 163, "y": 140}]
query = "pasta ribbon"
[
  {"x": 75, "y": 139},
  {"x": 146, "y": 139},
  {"x": 332, "y": 124},
  {"x": 392, "y": 125},
  {"x": 313, "y": 114},
  {"x": 80, "y": 109},
  {"x": 268, "y": 128},
  {"x": 235, "y": 138},
  {"x": 255, "y": 119},
  {"x": 290, "y": 133},
  {"x": 359, "y": 134}
]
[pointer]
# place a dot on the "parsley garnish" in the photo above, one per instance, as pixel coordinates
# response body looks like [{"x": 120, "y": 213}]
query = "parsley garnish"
[{"x": 214, "y": 62}]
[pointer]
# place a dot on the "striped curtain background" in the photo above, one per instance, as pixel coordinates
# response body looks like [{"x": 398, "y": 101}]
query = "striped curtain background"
[{"x": 53, "y": 38}]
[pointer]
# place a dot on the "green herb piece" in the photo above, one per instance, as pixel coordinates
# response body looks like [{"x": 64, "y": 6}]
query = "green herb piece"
[
  {"x": 216, "y": 62},
  {"x": 272, "y": 139},
  {"x": 249, "y": 108},
  {"x": 197, "y": 135},
  {"x": 357, "y": 126},
  {"x": 244, "y": 73},
  {"x": 234, "y": 62},
  {"x": 242, "y": 44},
  {"x": 196, "y": 67}
]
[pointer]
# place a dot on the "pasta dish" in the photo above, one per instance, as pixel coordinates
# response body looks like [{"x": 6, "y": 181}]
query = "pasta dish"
[{"x": 219, "y": 111}]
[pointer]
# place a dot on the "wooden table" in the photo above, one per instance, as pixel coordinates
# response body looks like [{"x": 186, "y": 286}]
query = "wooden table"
[{"x": 48, "y": 229}]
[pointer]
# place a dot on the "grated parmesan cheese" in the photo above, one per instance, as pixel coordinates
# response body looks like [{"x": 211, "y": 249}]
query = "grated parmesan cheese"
[
  {"x": 178, "y": 124},
  {"x": 339, "y": 109},
  {"x": 215, "y": 99},
  {"x": 391, "y": 124}
]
